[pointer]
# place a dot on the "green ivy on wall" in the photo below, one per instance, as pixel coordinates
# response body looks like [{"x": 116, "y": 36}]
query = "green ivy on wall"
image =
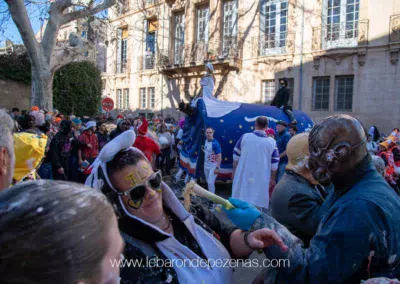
[
  {"x": 77, "y": 89},
  {"x": 16, "y": 67}
]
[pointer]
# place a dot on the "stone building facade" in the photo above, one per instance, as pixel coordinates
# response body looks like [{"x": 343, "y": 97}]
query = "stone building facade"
[{"x": 340, "y": 56}]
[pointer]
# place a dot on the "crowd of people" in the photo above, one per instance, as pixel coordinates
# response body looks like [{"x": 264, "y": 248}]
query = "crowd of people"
[
  {"x": 326, "y": 200},
  {"x": 332, "y": 211},
  {"x": 73, "y": 143}
]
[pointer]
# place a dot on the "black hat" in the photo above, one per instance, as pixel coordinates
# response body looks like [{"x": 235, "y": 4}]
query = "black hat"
[{"x": 281, "y": 122}]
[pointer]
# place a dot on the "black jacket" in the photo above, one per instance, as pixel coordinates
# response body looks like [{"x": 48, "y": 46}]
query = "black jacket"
[
  {"x": 297, "y": 204},
  {"x": 117, "y": 131},
  {"x": 103, "y": 139},
  {"x": 60, "y": 148},
  {"x": 358, "y": 237},
  {"x": 281, "y": 97}
]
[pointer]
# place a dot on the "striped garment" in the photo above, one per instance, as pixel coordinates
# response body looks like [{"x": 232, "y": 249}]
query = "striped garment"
[{"x": 259, "y": 133}]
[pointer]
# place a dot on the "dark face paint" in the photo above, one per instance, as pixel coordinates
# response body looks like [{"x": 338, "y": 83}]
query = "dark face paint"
[{"x": 324, "y": 161}]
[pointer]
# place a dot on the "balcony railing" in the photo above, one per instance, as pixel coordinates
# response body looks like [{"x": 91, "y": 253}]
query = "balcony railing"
[
  {"x": 225, "y": 48},
  {"x": 199, "y": 51},
  {"x": 147, "y": 62},
  {"x": 394, "y": 28},
  {"x": 229, "y": 47},
  {"x": 273, "y": 43},
  {"x": 340, "y": 35},
  {"x": 123, "y": 67}
]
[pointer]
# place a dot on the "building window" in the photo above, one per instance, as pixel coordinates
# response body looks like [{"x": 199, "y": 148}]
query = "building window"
[
  {"x": 268, "y": 91},
  {"x": 152, "y": 96},
  {"x": 151, "y": 30},
  {"x": 126, "y": 99},
  {"x": 229, "y": 26},
  {"x": 119, "y": 99},
  {"x": 273, "y": 37},
  {"x": 344, "y": 93},
  {"x": 203, "y": 19},
  {"x": 342, "y": 22},
  {"x": 143, "y": 101},
  {"x": 320, "y": 95},
  {"x": 179, "y": 39},
  {"x": 122, "y": 46}
]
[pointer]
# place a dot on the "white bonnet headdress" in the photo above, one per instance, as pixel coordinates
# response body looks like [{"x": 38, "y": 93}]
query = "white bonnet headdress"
[{"x": 122, "y": 142}]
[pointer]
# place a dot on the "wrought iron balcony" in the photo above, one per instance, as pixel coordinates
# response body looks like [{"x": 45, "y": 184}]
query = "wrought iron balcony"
[
  {"x": 394, "y": 29},
  {"x": 273, "y": 43},
  {"x": 340, "y": 35},
  {"x": 147, "y": 62},
  {"x": 227, "y": 51},
  {"x": 123, "y": 67}
]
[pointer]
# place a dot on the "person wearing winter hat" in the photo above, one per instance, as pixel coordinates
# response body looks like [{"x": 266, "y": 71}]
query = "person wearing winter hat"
[
  {"x": 39, "y": 117},
  {"x": 35, "y": 108},
  {"x": 89, "y": 152},
  {"x": 77, "y": 126},
  {"x": 297, "y": 199},
  {"x": 146, "y": 144}
]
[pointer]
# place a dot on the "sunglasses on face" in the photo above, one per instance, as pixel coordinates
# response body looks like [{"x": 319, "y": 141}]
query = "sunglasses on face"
[{"x": 138, "y": 192}]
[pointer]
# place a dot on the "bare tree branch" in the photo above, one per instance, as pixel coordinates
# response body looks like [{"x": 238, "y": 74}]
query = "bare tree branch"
[
  {"x": 20, "y": 17},
  {"x": 50, "y": 34},
  {"x": 66, "y": 56},
  {"x": 88, "y": 12}
]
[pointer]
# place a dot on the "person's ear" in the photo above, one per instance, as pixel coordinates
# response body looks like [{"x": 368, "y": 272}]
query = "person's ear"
[{"x": 3, "y": 161}]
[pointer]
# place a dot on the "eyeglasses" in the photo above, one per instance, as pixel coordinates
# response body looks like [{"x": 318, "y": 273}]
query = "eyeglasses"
[{"x": 137, "y": 192}]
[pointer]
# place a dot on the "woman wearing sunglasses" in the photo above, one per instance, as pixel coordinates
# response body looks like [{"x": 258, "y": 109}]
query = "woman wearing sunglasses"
[{"x": 167, "y": 243}]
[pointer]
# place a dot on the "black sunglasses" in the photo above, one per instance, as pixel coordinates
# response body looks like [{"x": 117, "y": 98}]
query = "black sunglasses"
[{"x": 137, "y": 192}]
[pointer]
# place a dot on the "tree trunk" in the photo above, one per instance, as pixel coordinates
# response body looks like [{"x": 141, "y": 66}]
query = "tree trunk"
[{"x": 42, "y": 86}]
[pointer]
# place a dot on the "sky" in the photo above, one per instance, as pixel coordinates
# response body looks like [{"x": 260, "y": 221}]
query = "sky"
[
  {"x": 8, "y": 30},
  {"x": 36, "y": 12},
  {"x": 11, "y": 32}
]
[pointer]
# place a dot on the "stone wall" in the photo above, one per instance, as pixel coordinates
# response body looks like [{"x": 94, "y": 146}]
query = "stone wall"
[{"x": 14, "y": 94}]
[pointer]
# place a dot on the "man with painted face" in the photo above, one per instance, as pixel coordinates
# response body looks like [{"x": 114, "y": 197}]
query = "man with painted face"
[
  {"x": 281, "y": 100},
  {"x": 359, "y": 233}
]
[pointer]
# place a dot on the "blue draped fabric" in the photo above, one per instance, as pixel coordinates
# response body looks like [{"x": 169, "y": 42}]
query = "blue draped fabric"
[{"x": 228, "y": 129}]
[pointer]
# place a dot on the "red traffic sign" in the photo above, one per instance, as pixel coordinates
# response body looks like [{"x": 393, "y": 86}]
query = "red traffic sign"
[{"x": 107, "y": 104}]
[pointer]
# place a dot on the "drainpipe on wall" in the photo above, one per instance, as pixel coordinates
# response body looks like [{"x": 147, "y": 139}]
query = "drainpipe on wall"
[
  {"x": 162, "y": 76},
  {"x": 301, "y": 58}
]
